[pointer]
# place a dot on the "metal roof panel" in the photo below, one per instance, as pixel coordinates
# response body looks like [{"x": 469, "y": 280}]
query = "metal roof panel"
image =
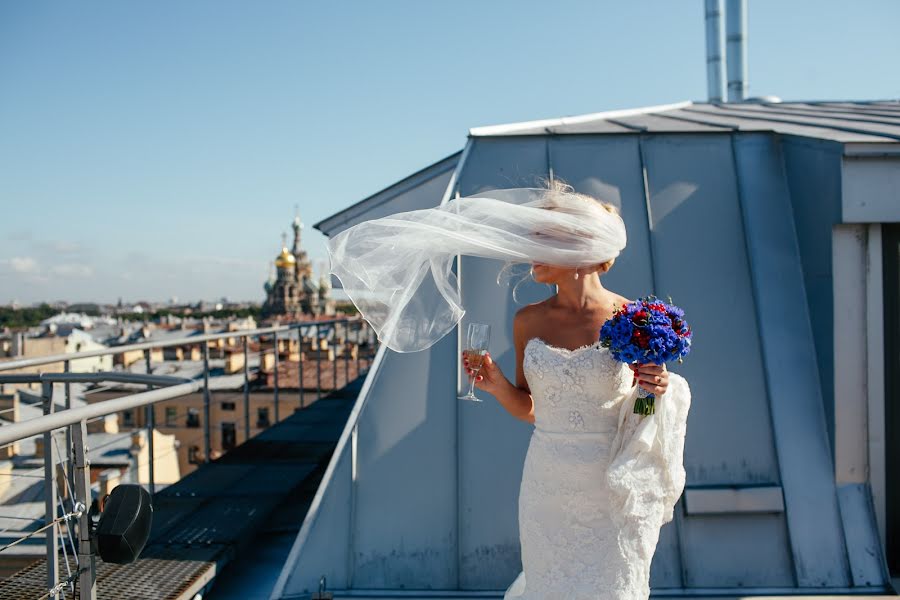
[
  {"x": 842, "y": 121},
  {"x": 788, "y": 125}
]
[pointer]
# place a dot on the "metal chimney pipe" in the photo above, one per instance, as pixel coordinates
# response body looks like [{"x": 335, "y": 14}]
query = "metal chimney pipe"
[
  {"x": 715, "y": 51},
  {"x": 736, "y": 23}
]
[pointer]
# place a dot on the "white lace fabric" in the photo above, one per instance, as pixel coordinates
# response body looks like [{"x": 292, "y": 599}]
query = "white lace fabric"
[{"x": 598, "y": 481}]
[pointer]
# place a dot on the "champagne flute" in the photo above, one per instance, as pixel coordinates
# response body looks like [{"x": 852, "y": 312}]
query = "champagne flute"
[{"x": 478, "y": 336}]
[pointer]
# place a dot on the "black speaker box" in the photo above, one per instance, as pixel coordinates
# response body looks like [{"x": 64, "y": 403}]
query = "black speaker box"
[{"x": 124, "y": 524}]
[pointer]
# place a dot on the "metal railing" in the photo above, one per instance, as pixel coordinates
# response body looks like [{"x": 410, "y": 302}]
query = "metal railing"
[{"x": 76, "y": 476}]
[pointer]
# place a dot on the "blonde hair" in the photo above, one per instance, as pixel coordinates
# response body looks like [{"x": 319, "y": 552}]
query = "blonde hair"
[{"x": 558, "y": 186}]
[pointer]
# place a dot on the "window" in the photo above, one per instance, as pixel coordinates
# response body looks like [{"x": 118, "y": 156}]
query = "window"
[
  {"x": 229, "y": 436},
  {"x": 194, "y": 455},
  {"x": 193, "y": 417},
  {"x": 128, "y": 418},
  {"x": 171, "y": 416},
  {"x": 262, "y": 416},
  {"x": 228, "y": 406}
]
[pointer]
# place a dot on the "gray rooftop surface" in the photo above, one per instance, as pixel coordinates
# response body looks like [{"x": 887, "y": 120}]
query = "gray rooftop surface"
[{"x": 863, "y": 121}]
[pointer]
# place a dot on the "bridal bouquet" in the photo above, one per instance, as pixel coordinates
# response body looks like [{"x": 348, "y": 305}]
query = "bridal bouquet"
[{"x": 647, "y": 330}]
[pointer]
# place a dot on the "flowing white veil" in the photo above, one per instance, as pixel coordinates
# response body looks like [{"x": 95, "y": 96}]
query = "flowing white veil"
[{"x": 397, "y": 270}]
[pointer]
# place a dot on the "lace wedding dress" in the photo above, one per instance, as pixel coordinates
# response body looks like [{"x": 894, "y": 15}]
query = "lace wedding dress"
[{"x": 598, "y": 481}]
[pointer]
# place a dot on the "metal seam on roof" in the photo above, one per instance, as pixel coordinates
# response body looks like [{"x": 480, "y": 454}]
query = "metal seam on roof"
[{"x": 627, "y": 125}]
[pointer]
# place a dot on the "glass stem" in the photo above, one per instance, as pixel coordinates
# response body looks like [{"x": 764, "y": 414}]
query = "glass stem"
[{"x": 472, "y": 383}]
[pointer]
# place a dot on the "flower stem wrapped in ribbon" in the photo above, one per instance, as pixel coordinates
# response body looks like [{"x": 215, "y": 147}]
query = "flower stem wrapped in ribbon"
[{"x": 647, "y": 330}]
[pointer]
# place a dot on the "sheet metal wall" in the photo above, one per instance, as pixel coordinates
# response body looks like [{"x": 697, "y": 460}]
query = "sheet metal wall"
[
  {"x": 492, "y": 444},
  {"x": 691, "y": 183},
  {"x": 813, "y": 170}
]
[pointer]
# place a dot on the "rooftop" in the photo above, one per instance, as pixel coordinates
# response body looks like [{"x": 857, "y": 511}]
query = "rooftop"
[
  {"x": 850, "y": 121},
  {"x": 254, "y": 497}
]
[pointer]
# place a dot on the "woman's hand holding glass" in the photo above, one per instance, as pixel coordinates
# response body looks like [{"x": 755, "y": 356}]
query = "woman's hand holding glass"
[{"x": 489, "y": 377}]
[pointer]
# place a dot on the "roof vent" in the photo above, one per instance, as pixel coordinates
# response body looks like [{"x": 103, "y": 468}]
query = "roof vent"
[{"x": 762, "y": 99}]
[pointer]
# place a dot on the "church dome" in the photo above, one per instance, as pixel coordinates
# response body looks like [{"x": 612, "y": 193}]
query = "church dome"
[{"x": 285, "y": 259}]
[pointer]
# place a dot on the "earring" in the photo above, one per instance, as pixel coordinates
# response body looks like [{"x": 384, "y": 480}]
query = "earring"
[
  {"x": 576, "y": 273},
  {"x": 531, "y": 272}
]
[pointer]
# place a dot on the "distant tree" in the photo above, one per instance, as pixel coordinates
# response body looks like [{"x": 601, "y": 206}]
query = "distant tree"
[{"x": 21, "y": 318}]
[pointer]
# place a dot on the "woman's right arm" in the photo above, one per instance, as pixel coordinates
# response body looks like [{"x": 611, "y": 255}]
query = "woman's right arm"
[{"x": 516, "y": 399}]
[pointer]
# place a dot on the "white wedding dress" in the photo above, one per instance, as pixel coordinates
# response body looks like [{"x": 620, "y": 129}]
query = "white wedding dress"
[{"x": 598, "y": 481}]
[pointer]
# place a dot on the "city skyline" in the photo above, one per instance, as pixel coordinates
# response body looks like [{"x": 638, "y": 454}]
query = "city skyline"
[{"x": 144, "y": 170}]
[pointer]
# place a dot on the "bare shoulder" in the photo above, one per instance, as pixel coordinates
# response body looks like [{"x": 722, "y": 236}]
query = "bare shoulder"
[
  {"x": 529, "y": 312},
  {"x": 526, "y": 317}
]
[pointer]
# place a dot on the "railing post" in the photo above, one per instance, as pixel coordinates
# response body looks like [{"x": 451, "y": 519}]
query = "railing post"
[
  {"x": 334, "y": 385},
  {"x": 70, "y": 464},
  {"x": 206, "y": 444},
  {"x": 86, "y": 560},
  {"x": 370, "y": 343},
  {"x": 70, "y": 470},
  {"x": 275, "y": 395},
  {"x": 359, "y": 329},
  {"x": 50, "y": 494},
  {"x": 346, "y": 352},
  {"x": 318, "y": 365},
  {"x": 246, "y": 389},
  {"x": 150, "y": 417},
  {"x": 300, "y": 364}
]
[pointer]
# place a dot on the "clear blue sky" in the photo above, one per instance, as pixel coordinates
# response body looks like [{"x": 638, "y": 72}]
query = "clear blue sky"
[{"x": 157, "y": 149}]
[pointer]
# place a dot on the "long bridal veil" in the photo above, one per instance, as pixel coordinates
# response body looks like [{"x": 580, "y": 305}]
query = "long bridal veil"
[{"x": 398, "y": 272}]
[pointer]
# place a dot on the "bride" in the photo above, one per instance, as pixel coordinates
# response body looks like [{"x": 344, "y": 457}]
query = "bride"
[
  {"x": 579, "y": 537},
  {"x": 599, "y": 481}
]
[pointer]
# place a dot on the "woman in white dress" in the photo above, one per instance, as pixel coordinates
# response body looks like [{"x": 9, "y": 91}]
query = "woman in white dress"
[{"x": 598, "y": 481}]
